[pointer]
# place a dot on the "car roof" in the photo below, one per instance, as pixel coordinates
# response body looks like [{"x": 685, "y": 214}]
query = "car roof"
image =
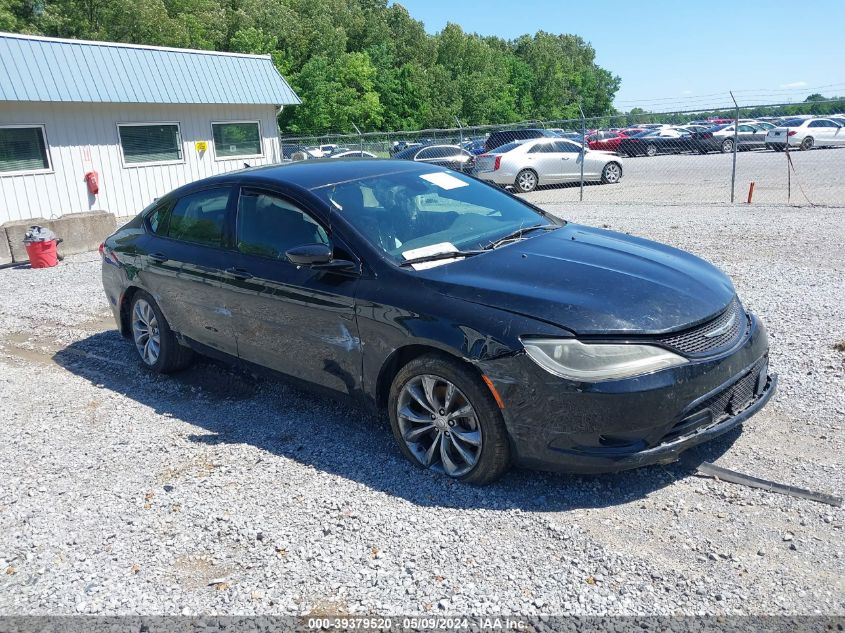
[
  {"x": 314, "y": 174},
  {"x": 414, "y": 149}
]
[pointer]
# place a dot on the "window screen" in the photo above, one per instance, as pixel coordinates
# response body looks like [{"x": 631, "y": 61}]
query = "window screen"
[
  {"x": 23, "y": 149},
  {"x": 236, "y": 139},
  {"x": 154, "y": 143},
  {"x": 200, "y": 218}
]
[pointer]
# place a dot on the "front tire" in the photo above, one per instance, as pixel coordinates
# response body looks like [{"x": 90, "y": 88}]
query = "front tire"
[
  {"x": 806, "y": 144},
  {"x": 727, "y": 146},
  {"x": 651, "y": 150},
  {"x": 155, "y": 342},
  {"x": 444, "y": 418},
  {"x": 526, "y": 181},
  {"x": 611, "y": 174}
]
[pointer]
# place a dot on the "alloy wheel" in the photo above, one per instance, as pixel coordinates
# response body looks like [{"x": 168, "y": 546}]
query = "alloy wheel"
[
  {"x": 145, "y": 331},
  {"x": 612, "y": 173},
  {"x": 728, "y": 146},
  {"x": 439, "y": 425},
  {"x": 651, "y": 150},
  {"x": 526, "y": 181}
]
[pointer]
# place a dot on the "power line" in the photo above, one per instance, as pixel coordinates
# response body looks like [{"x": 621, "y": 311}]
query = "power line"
[{"x": 744, "y": 91}]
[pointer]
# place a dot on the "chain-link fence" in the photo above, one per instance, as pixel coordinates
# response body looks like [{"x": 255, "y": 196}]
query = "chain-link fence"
[{"x": 773, "y": 154}]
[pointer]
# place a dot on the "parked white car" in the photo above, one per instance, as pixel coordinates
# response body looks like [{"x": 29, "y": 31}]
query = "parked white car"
[
  {"x": 806, "y": 134},
  {"x": 353, "y": 153},
  {"x": 545, "y": 161}
]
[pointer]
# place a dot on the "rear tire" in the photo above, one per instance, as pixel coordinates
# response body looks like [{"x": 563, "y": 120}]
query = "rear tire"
[
  {"x": 806, "y": 144},
  {"x": 154, "y": 341},
  {"x": 727, "y": 146},
  {"x": 611, "y": 174},
  {"x": 526, "y": 181},
  {"x": 650, "y": 150},
  {"x": 466, "y": 420}
]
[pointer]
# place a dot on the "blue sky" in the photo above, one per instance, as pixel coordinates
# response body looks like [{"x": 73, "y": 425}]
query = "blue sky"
[{"x": 681, "y": 54}]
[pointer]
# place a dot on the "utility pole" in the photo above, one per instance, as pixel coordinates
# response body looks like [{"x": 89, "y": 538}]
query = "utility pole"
[
  {"x": 360, "y": 136},
  {"x": 460, "y": 129},
  {"x": 736, "y": 137},
  {"x": 583, "y": 150}
]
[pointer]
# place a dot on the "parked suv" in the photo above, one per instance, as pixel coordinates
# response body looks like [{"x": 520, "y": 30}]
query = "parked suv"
[{"x": 497, "y": 139}]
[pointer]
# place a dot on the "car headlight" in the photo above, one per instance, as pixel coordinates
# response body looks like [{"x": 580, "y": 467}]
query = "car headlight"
[{"x": 594, "y": 362}]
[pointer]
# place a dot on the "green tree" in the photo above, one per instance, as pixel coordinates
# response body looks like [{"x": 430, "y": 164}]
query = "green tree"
[
  {"x": 341, "y": 93},
  {"x": 353, "y": 61}
]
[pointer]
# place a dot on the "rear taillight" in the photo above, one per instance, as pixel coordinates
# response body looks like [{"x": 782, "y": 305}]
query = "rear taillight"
[
  {"x": 791, "y": 133},
  {"x": 102, "y": 249},
  {"x": 707, "y": 135},
  {"x": 497, "y": 163}
]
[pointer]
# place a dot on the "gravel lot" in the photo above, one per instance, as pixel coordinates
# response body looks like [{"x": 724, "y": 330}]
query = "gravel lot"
[
  {"x": 208, "y": 492},
  {"x": 696, "y": 179}
]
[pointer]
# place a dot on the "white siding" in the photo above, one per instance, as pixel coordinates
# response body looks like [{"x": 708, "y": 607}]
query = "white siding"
[{"x": 74, "y": 128}]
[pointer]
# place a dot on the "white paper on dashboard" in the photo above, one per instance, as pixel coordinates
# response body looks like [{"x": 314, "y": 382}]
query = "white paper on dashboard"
[
  {"x": 444, "y": 180},
  {"x": 434, "y": 249}
]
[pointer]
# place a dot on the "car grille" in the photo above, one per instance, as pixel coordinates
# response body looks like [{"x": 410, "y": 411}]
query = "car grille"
[
  {"x": 700, "y": 340},
  {"x": 727, "y": 403}
]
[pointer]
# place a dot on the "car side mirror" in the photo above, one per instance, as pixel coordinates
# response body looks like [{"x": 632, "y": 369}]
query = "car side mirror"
[
  {"x": 319, "y": 256},
  {"x": 309, "y": 254}
]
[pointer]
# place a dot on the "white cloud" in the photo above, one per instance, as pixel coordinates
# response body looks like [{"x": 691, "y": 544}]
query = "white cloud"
[{"x": 794, "y": 84}]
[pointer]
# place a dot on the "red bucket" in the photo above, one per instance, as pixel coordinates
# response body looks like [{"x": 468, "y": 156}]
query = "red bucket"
[{"x": 42, "y": 254}]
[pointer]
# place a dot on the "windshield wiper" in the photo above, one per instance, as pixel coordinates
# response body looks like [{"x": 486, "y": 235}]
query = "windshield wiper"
[
  {"x": 435, "y": 256},
  {"x": 519, "y": 233}
]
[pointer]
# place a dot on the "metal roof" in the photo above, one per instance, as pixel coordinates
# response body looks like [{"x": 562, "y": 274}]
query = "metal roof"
[{"x": 48, "y": 69}]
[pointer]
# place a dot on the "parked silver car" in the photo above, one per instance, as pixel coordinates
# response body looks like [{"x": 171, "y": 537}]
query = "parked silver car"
[{"x": 545, "y": 161}]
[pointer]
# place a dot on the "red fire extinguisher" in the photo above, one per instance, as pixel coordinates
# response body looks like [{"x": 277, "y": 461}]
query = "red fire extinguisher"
[{"x": 92, "y": 179}]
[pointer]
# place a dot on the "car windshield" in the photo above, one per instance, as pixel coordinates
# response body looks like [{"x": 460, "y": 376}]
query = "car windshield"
[{"x": 436, "y": 211}]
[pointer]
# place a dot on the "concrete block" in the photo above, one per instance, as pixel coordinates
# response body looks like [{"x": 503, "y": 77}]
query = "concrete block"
[
  {"x": 80, "y": 232},
  {"x": 83, "y": 232},
  {"x": 15, "y": 231},
  {"x": 5, "y": 251}
]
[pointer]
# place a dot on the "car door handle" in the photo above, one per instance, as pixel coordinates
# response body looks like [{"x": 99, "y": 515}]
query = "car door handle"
[
  {"x": 158, "y": 257},
  {"x": 239, "y": 273}
]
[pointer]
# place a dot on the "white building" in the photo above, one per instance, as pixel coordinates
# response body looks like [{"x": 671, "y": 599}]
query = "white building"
[{"x": 145, "y": 119}]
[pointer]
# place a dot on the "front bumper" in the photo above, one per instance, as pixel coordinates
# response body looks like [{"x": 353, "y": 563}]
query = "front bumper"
[{"x": 555, "y": 424}]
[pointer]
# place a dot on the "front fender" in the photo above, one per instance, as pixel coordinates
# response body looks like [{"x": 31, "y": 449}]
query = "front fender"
[{"x": 471, "y": 332}]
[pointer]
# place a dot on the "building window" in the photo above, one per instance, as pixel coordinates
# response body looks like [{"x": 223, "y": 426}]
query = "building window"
[
  {"x": 236, "y": 139},
  {"x": 23, "y": 148},
  {"x": 150, "y": 143}
]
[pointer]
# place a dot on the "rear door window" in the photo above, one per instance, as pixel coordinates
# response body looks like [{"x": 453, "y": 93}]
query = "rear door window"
[
  {"x": 157, "y": 218},
  {"x": 566, "y": 146},
  {"x": 200, "y": 218}
]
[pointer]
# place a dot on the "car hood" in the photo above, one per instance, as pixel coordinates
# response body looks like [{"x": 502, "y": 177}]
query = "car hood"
[{"x": 591, "y": 281}]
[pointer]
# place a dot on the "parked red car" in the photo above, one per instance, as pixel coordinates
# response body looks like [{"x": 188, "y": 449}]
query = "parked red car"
[{"x": 607, "y": 141}]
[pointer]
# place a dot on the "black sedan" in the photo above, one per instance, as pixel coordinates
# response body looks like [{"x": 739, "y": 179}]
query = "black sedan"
[
  {"x": 721, "y": 138},
  {"x": 451, "y": 156},
  {"x": 654, "y": 142},
  {"x": 491, "y": 332}
]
